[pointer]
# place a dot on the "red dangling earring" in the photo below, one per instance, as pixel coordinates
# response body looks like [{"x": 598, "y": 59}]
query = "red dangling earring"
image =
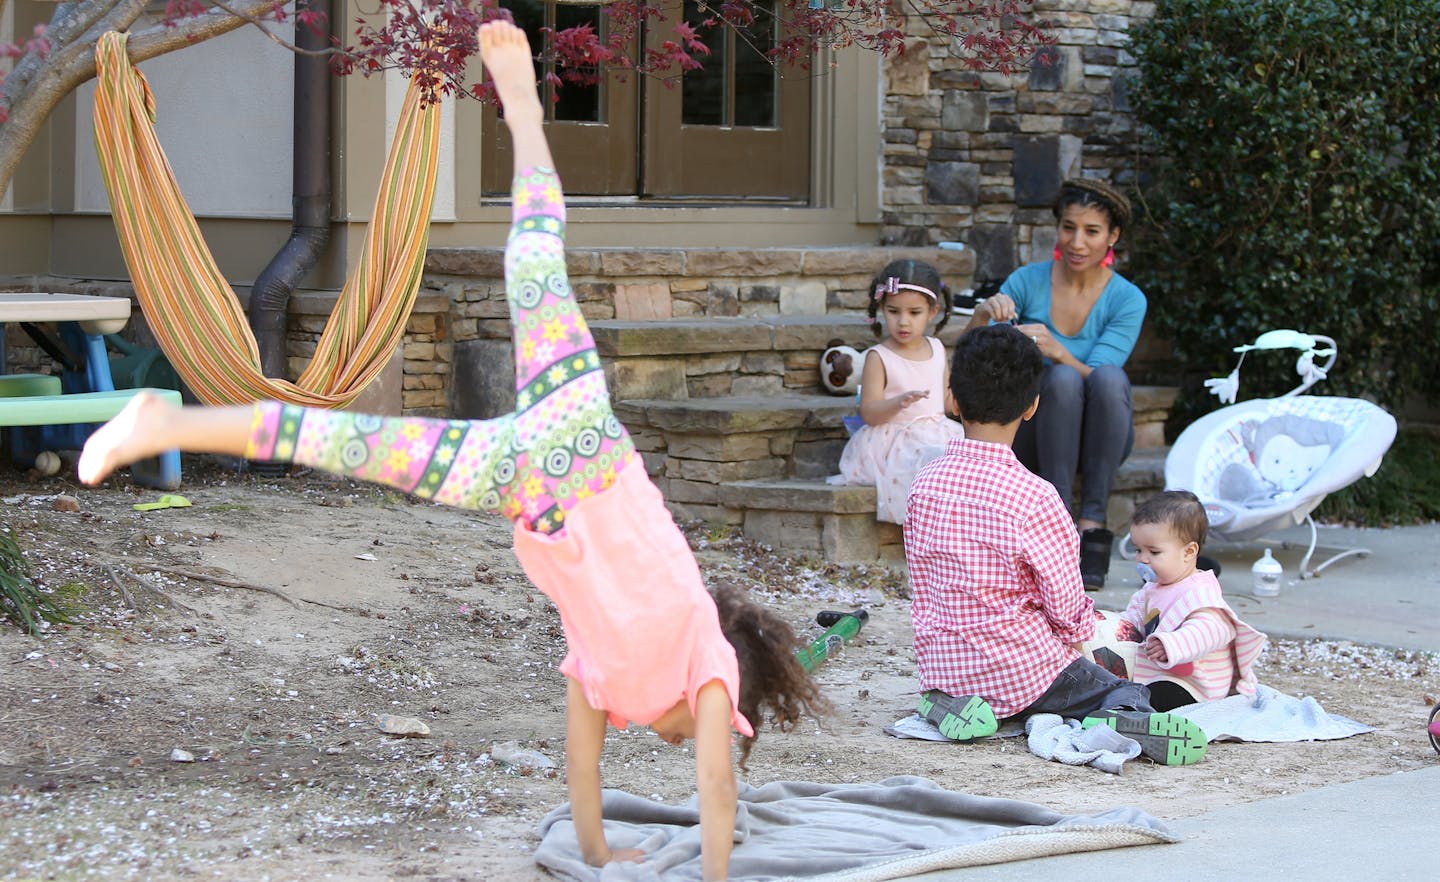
[
  {"x": 1057, "y": 252},
  {"x": 1109, "y": 259}
]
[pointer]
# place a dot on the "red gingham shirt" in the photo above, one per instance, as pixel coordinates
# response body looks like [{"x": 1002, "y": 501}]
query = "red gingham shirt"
[{"x": 995, "y": 576}]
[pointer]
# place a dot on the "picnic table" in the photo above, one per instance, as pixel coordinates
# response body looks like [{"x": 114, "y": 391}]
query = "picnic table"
[
  {"x": 96, "y": 315},
  {"x": 39, "y": 400}
]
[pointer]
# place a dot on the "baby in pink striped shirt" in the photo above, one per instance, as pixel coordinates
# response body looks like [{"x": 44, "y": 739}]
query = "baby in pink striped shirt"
[{"x": 1193, "y": 647}]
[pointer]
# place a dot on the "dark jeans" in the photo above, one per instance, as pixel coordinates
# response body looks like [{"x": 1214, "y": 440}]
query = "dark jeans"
[
  {"x": 1084, "y": 688},
  {"x": 1084, "y": 424}
]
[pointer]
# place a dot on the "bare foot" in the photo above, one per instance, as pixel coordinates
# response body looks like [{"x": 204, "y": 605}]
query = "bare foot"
[
  {"x": 505, "y": 51},
  {"x": 126, "y": 438}
]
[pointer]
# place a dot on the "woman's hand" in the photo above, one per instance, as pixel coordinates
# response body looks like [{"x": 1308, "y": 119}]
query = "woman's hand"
[
  {"x": 996, "y": 308},
  {"x": 1049, "y": 346}
]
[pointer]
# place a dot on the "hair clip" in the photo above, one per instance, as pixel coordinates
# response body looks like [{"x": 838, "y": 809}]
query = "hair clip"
[{"x": 893, "y": 285}]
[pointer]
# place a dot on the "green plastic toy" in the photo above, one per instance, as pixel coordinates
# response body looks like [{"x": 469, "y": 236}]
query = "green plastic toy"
[{"x": 842, "y": 627}]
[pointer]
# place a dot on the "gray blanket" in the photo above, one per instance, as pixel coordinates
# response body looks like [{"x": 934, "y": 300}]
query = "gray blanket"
[{"x": 839, "y": 833}]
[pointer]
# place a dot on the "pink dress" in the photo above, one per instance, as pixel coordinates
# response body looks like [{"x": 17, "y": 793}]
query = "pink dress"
[{"x": 889, "y": 455}]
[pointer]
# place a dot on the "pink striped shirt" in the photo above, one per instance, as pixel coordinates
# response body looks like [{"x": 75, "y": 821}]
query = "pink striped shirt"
[
  {"x": 995, "y": 575},
  {"x": 1208, "y": 649}
]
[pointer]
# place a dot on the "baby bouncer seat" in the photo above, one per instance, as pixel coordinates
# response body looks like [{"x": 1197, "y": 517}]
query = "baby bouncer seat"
[{"x": 1265, "y": 464}]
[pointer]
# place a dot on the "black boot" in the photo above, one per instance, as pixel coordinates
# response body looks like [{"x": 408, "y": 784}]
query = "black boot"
[{"x": 1095, "y": 545}]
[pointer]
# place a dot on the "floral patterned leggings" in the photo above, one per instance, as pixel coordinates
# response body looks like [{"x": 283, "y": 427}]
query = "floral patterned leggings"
[{"x": 562, "y": 443}]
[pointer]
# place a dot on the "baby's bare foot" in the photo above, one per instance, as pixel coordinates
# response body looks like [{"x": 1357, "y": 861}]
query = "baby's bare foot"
[{"x": 505, "y": 51}]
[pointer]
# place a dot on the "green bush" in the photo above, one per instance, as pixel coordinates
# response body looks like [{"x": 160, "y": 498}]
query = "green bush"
[
  {"x": 1406, "y": 489},
  {"x": 1295, "y": 183}
]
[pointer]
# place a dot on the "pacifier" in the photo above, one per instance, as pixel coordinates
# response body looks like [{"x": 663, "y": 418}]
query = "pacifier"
[{"x": 1147, "y": 573}]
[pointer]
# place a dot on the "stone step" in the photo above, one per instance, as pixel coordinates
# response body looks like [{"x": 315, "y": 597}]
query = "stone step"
[
  {"x": 616, "y": 338},
  {"x": 807, "y": 430},
  {"x": 713, "y": 357},
  {"x": 739, "y": 413},
  {"x": 1152, "y": 409},
  {"x": 692, "y": 446},
  {"x": 837, "y": 522}
]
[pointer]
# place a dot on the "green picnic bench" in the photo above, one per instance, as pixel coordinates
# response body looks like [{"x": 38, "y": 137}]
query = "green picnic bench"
[{"x": 36, "y": 400}]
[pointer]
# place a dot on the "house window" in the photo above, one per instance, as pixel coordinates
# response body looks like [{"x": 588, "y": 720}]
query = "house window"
[{"x": 737, "y": 130}]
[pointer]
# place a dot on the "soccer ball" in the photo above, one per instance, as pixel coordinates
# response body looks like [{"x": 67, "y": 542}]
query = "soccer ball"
[
  {"x": 840, "y": 369},
  {"x": 1107, "y": 650}
]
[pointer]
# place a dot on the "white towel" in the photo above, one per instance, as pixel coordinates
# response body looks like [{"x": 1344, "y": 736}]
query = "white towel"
[{"x": 1065, "y": 741}]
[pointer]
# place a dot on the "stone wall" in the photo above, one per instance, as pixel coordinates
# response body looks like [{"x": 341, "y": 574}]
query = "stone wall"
[
  {"x": 423, "y": 387},
  {"x": 642, "y": 285},
  {"x": 979, "y": 157}
]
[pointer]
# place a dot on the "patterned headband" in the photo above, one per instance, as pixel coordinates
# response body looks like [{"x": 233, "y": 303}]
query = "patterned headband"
[{"x": 893, "y": 285}]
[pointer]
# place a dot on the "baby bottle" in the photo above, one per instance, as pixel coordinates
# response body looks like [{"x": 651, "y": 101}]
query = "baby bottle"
[{"x": 1266, "y": 574}]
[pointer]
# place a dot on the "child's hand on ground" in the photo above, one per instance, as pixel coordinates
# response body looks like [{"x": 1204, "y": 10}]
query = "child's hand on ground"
[
  {"x": 626, "y": 855},
  {"x": 1154, "y": 650}
]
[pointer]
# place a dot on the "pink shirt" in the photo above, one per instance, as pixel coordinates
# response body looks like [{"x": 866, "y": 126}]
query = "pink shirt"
[
  {"x": 1211, "y": 656},
  {"x": 642, "y": 630},
  {"x": 995, "y": 575}
]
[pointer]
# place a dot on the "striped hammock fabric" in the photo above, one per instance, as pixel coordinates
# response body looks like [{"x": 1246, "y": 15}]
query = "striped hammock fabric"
[{"x": 192, "y": 310}]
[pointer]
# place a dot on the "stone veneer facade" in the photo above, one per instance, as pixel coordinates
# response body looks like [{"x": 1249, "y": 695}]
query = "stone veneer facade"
[
  {"x": 979, "y": 157},
  {"x": 970, "y": 157},
  {"x": 643, "y": 285}
]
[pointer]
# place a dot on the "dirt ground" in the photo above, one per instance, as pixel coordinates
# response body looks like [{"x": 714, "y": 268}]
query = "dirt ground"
[{"x": 315, "y": 606}]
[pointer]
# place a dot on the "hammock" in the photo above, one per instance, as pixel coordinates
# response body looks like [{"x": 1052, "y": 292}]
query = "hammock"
[{"x": 192, "y": 310}]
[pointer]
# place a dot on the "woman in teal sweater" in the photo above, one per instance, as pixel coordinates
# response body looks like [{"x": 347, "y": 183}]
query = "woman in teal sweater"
[{"x": 1085, "y": 317}]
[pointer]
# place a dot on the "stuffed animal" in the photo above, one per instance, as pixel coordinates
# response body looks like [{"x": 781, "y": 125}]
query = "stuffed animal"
[
  {"x": 1285, "y": 451},
  {"x": 840, "y": 368}
]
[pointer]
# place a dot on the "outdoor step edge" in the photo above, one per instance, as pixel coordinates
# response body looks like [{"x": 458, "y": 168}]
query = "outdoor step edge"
[
  {"x": 738, "y": 413},
  {"x": 628, "y": 338},
  {"x": 1142, "y": 469},
  {"x": 1147, "y": 398},
  {"x": 798, "y": 494}
]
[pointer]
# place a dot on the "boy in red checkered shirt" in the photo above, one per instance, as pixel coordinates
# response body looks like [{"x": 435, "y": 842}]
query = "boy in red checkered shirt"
[{"x": 999, "y": 607}]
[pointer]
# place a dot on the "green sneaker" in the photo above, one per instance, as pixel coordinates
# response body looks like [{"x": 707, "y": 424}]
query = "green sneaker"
[
  {"x": 1165, "y": 738},
  {"x": 959, "y": 718}
]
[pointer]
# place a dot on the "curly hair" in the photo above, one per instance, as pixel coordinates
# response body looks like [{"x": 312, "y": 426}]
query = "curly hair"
[
  {"x": 995, "y": 374},
  {"x": 1095, "y": 193},
  {"x": 770, "y": 674},
  {"x": 908, "y": 272}
]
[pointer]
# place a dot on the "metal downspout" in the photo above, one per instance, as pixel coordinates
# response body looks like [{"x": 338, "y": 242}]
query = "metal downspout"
[{"x": 310, "y": 227}]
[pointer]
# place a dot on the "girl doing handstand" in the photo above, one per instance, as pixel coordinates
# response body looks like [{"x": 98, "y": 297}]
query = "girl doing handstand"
[{"x": 647, "y": 643}]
